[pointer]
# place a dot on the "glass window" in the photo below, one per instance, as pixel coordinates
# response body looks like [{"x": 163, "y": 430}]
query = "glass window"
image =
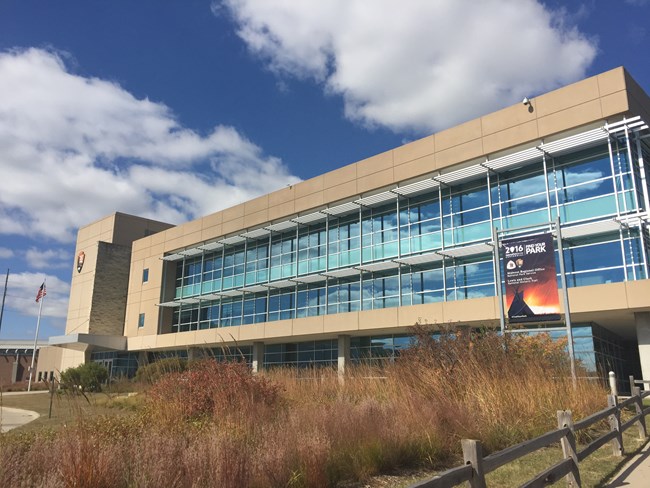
[
  {"x": 145, "y": 275},
  {"x": 282, "y": 304},
  {"x": 141, "y": 320},
  {"x": 379, "y": 233},
  {"x": 312, "y": 245},
  {"x": 311, "y": 300},
  {"x": 283, "y": 256}
]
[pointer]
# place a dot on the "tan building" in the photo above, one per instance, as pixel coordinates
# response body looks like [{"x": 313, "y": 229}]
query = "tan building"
[{"x": 336, "y": 268}]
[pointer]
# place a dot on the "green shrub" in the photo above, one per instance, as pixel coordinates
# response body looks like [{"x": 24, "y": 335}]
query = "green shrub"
[{"x": 87, "y": 377}]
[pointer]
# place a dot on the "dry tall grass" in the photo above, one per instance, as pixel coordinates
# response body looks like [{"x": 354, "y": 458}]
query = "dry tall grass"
[{"x": 219, "y": 425}]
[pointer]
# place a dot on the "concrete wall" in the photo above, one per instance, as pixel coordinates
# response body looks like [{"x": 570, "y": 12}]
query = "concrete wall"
[{"x": 49, "y": 359}]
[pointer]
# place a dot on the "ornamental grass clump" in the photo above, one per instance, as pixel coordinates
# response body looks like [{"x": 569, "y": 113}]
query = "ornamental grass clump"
[
  {"x": 209, "y": 390},
  {"x": 499, "y": 390}
]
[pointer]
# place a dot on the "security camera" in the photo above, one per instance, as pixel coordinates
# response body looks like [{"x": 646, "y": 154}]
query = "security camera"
[{"x": 525, "y": 101}]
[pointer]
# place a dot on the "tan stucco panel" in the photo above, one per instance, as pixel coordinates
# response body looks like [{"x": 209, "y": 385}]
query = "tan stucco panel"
[
  {"x": 256, "y": 205},
  {"x": 255, "y": 219},
  {"x": 281, "y": 210},
  {"x": 375, "y": 164},
  {"x": 508, "y": 118},
  {"x": 373, "y": 319},
  {"x": 458, "y": 154},
  {"x": 414, "y": 150},
  {"x": 611, "y": 81},
  {"x": 308, "y": 187},
  {"x": 577, "y": 94},
  {"x": 281, "y": 328},
  {"x": 458, "y": 135},
  {"x": 232, "y": 213},
  {"x": 308, "y": 326},
  {"x": 416, "y": 167},
  {"x": 603, "y": 297},
  {"x": 510, "y": 137},
  {"x": 340, "y": 192},
  {"x": 638, "y": 294},
  {"x": 375, "y": 180},
  {"x": 207, "y": 337},
  {"x": 211, "y": 232},
  {"x": 49, "y": 359},
  {"x": 614, "y": 104},
  {"x": 569, "y": 118},
  {"x": 185, "y": 339},
  {"x": 249, "y": 332},
  {"x": 212, "y": 220},
  {"x": 281, "y": 196},
  {"x": 309, "y": 202},
  {"x": 481, "y": 309},
  {"x": 430, "y": 313},
  {"x": 341, "y": 322},
  {"x": 340, "y": 176},
  {"x": 232, "y": 226}
]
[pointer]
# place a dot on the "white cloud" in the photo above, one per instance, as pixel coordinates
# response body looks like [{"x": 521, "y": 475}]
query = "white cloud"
[
  {"x": 23, "y": 287},
  {"x": 76, "y": 149},
  {"x": 6, "y": 253},
  {"x": 47, "y": 258},
  {"x": 417, "y": 64}
]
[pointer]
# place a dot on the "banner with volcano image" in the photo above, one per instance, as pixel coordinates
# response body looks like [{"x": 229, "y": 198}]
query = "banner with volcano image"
[{"x": 531, "y": 282}]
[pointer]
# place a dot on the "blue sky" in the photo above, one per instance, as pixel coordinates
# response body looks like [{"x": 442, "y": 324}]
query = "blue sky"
[{"x": 172, "y": 110}]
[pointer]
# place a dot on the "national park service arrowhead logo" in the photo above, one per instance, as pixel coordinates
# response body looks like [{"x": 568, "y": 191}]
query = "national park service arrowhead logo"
[{"x": 80, "y": 261}]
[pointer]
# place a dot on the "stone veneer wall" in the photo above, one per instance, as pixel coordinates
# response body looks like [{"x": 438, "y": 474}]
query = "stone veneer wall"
[{"x": 110, "y": 289}]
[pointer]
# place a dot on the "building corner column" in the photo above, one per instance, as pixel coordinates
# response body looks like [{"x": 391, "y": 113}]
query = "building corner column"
[
  {"x": 258, "y": 357},
  {"x": 642, "y": 322},
  {"x": 195, "y": 354}
]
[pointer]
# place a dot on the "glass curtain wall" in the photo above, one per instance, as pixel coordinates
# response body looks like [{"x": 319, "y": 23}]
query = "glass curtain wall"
[{"x": 580, "y": 186}]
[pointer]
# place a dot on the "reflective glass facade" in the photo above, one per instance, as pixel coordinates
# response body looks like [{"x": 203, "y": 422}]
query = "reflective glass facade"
[
  {"x": 598, "y": 350},
  {"x": 118, "y": 364},
  {"x": 362, "y": 259}
]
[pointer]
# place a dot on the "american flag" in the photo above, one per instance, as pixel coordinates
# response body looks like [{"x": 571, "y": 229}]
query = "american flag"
[{"x": 41, "y": 292}]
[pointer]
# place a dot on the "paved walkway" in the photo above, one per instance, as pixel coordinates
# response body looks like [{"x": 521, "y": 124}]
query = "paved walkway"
[
  {"x": 10, "y": 418},
  {"x": 636, "y": 472}
]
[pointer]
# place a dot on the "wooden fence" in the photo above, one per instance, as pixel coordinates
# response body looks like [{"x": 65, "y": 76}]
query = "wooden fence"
[{"x": 476, "y": 466}]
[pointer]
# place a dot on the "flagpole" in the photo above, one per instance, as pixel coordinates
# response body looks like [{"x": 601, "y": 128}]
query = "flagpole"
[
  {"x": 4, "y": 295},
  {"x": 38, "y": 324}
]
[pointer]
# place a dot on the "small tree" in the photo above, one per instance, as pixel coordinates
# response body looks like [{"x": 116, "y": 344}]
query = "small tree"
[{"x": 87, "y": 377}]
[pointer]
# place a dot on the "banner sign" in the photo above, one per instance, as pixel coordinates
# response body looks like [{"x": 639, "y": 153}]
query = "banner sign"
[{"x": 531, "y": 282}]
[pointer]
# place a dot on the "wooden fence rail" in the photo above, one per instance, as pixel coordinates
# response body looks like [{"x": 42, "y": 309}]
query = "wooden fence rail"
[{"x": 476, "y": 466}]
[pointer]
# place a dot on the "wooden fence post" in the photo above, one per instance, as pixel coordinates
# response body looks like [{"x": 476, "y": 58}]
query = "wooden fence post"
[
  {"x": 615, "y": 425},
  {"x": 638, "y": 406},
  {"x": 473, "y": 455},
  {"x": 568, "y": 442},
  {"x": 613, "y": 390}
]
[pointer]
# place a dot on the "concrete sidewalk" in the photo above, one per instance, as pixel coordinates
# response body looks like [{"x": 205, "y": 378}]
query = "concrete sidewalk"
[
  {"x": 10, "y": 418},
  {"x": 17, "y": 393},
  {"x": 636, "y": 472}
]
